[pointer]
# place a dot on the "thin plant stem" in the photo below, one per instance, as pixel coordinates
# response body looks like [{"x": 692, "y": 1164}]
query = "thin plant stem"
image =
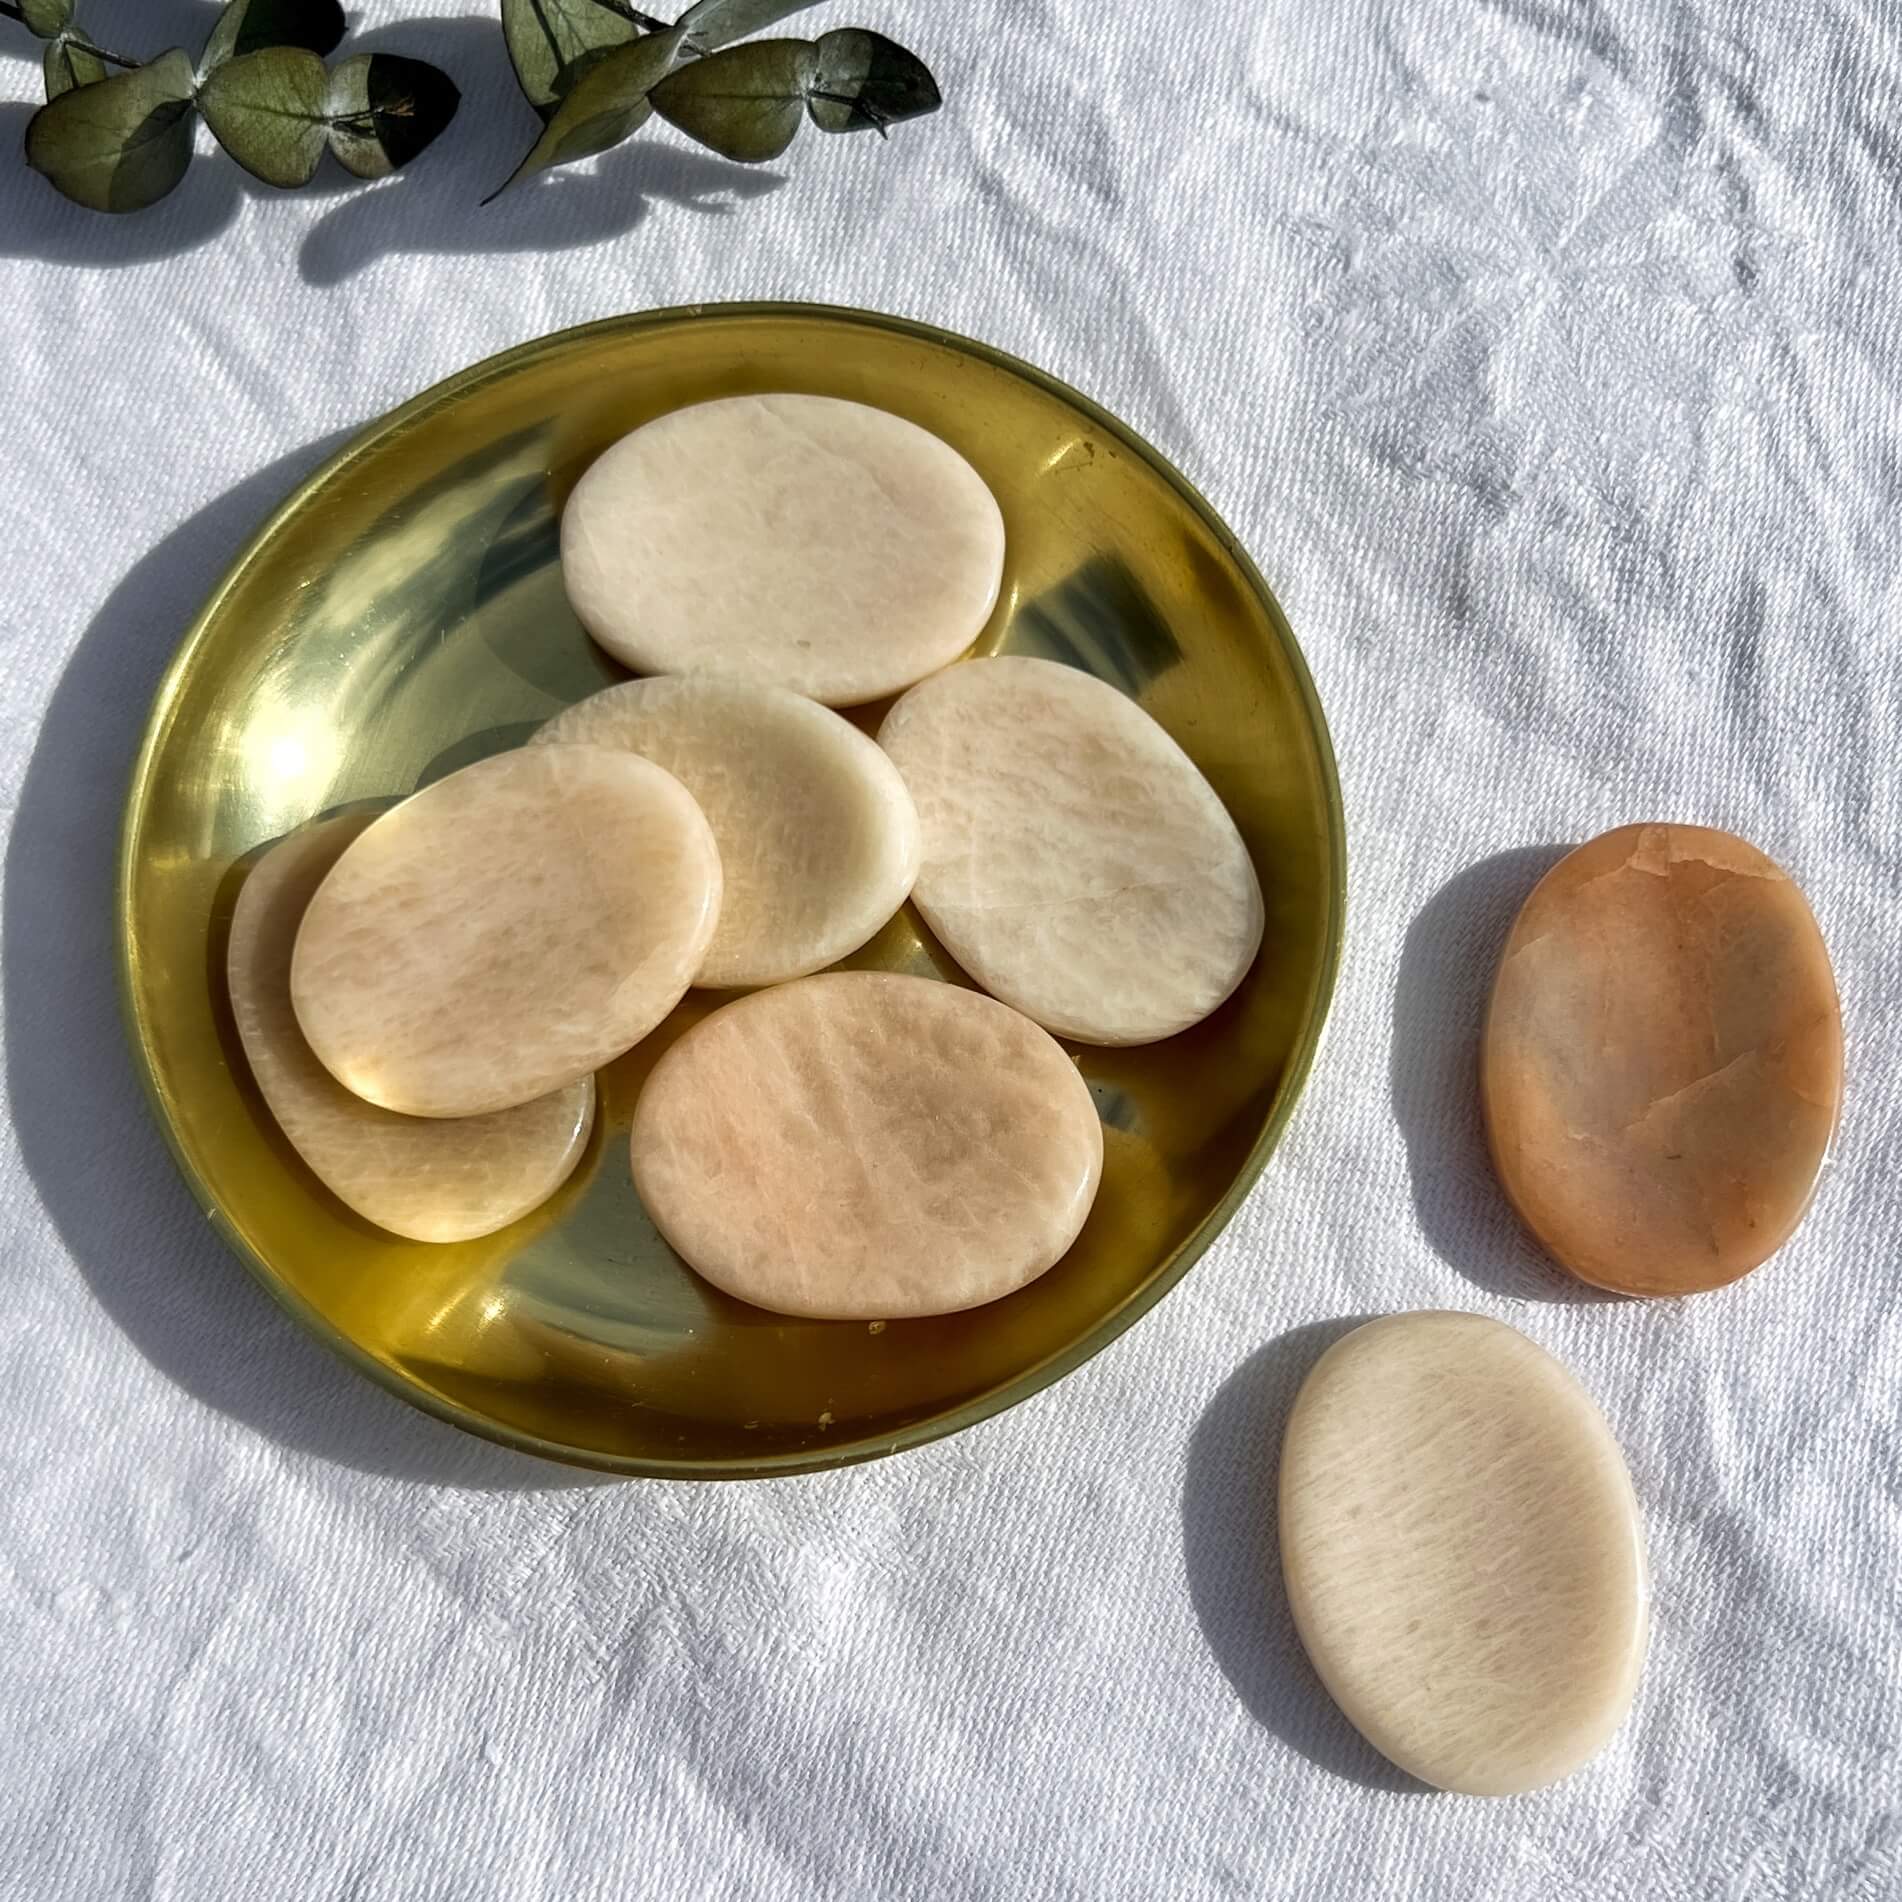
[{"x": 12, "y": 10}]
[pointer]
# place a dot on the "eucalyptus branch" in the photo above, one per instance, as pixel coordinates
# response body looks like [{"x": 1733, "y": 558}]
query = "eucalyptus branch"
[
  {"x": 596, "y": 71},
  {"x": 261, "y": 85}
]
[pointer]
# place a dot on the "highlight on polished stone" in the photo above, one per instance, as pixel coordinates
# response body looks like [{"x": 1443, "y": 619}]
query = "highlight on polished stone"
[
  {"x": 1076, "y": 863},
  {"x": 802, "y": 541},
  {"x": 865, "y": 1146},
  {"x": 1463, "y": 1552},
  {"x": 428, "y": 1179},
  {"x": 507, "y": 930},
  {"x": 818, "y": 837},
  {"x": 1662, "y": 1063}
]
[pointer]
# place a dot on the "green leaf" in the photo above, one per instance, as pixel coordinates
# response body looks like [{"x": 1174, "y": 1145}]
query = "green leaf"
[
  {"x": 385, "y": 109},
  {"x": 68, "y": 64},
  {"x": 712, "y": 24},
  {"x": 121, "y": 144},
  {"x": 608, "y": 102},
  {"x": 46, "y": 19},
  {"x": 248, "y": 26},
  {"x": 271, "y": 112},
  {"x": 548, "y": 39},
  {"x": 865, "y": 82},
  {"x": 745, "y": 103}
]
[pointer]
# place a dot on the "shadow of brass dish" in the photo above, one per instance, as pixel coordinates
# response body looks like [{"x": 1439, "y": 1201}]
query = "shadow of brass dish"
[{"x": 402, "y": 614}]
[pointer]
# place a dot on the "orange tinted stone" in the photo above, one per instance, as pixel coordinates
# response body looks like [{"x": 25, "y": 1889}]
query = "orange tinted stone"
[{"x": 1662, "y": 1062}]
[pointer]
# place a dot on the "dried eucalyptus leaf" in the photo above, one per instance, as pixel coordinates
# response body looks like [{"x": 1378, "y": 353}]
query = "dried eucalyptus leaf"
[
  {"x": 712, "y": 24},
  {"x": 385, "y": 109},
  {"x": 46, "y": 19},
  {"x": 746, "y": 103},
  {"x": 121, "y": 144},
  {"x": 608, "y": 101},
  {"x": 547, "y": 39},
  {"x": 865, "y": 82},
  {"x": 248, "y": 26},
  {"x": 271, "y": 112},
  {"x": 68, "y": 64}
]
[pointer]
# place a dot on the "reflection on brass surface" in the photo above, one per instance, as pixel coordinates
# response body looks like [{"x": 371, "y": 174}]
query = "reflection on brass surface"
[{"x": 402, "y": 615}]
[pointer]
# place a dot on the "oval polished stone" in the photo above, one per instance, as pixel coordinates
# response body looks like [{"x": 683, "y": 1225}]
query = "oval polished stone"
[
  {"x": 1463, "y": 1552},
  {"x": 430, "y": 1179},
  {"x": 865, "y": 1146},
  {"x": 802, "y": 541},
  {"x": 507, "y": 930},
  {"x": 1076, "y": 863},
  {"x": 818, "y": 837},
  {"x": 1662, "y": 1062}
]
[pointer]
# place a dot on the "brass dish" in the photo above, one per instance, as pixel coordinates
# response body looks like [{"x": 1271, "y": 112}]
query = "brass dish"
[{"x": 402, "y": 614}]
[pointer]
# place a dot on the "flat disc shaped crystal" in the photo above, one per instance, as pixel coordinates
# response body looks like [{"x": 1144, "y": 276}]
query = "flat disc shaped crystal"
[
  {"x": 866, "y": 1146},
  {"x": 800, "y": 541},
  {"x": 430, "y": 1179},
  {"x": 507, "y": 930},
  {"x": 1076, "y": 862},
  {"x": 818, "y": 837},
  {"x": 1463, "y": 1553},
  {"x": 1662, "y": 1063}
]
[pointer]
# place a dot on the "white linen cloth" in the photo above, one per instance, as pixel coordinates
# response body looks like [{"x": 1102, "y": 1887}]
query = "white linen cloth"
[{"x": 1545, "y": 354}]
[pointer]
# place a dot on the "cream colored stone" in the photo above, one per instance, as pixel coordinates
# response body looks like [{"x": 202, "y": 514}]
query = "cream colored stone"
[
  {"x": 1463, "y": 1552},
  {"x": 507, "y": 930},
  {"x": 801, "y": 541},
  {"x": 1663, "y": 1059},
  {"x": 864, "y": 1146},
  {"x": 430, "y": 1179},
  {"x": 818, "y": 837},
  {"x": 1075, "y": 861}
]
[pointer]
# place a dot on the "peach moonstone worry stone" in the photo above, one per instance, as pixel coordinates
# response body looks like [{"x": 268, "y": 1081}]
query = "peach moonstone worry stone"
[
  {"x": 803, "y": 541},
  {"x": 507, "y": 930},
  {"x": 1662, "y": 1062},
  {"x": 818, "y": 837},
  {"x": 430, "y": 1179},
  {"x": 1463, "y": 1552},
  {"x": 1076, "y": 862},
  {"x": 865, "y": 1146}
]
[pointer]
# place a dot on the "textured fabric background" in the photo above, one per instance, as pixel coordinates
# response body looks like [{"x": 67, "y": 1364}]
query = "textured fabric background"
[{"x": 1547, "y": 357}]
